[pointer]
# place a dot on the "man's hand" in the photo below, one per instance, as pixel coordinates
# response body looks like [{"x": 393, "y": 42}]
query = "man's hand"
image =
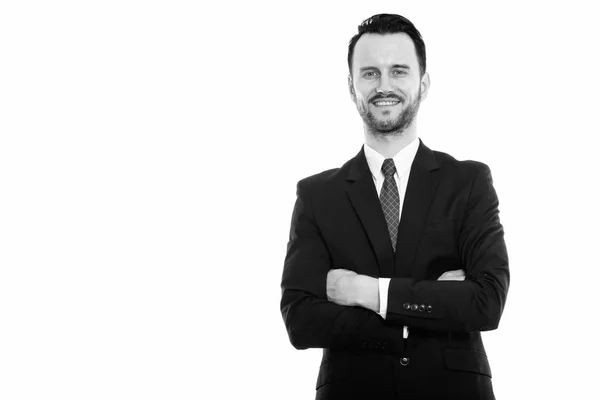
[
  {"x": 455, "y": 275},
  {"x": 340, "y": 288},
  {"x": 348, "y": 288}
]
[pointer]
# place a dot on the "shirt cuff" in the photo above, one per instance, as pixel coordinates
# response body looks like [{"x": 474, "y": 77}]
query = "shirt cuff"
[{"x": 384, "y": 285}]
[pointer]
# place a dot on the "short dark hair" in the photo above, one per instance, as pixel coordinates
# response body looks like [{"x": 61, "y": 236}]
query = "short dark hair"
[{"x": 386, "y": 24}]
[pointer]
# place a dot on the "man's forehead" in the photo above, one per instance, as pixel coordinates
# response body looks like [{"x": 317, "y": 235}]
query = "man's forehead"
[{"x": 395, "y": 48}]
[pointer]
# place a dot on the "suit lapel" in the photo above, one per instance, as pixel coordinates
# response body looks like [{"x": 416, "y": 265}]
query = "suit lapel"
[
  {"x": 363, "y": 196},
  {"x": 422, "y": 185}
]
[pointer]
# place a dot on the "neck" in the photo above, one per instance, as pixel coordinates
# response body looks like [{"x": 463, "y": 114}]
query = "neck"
[{"x": 389, "y": 145}]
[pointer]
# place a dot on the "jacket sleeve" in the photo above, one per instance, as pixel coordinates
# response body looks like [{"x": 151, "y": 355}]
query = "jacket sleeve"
[
  {"x": 475, "y": 304},
  {"x": 310, "y": 319}
]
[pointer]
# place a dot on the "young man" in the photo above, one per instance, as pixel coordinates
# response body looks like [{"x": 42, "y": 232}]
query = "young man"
[{"x": 396, "y": 261}]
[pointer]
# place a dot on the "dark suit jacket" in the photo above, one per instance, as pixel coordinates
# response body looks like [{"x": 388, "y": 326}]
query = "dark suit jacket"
[{"x": 449, "y": 221}]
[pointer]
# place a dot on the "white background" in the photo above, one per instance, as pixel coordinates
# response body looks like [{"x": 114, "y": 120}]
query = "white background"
[{"x": 149, "y": 153}]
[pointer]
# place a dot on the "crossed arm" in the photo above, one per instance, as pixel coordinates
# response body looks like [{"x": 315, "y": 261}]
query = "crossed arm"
[
  {"x": 324, "y": 308},
  {"x": 347, "y": 288},
  {"x": 466, "y": 300}
]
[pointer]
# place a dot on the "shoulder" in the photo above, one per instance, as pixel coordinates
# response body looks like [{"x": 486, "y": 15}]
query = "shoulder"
[
  {"x": 467, "y": 174},
  {"x": 320, "y": 180},
  {"x": 450, "y": 164},
  {"x": 331, "y": 179}
]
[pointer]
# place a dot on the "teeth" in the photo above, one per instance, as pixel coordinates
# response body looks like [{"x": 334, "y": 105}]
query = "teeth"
[{"x": 385, "y": 103}]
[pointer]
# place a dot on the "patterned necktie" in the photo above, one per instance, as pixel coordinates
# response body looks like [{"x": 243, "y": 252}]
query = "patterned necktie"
[{"x": 390, "y": 200}]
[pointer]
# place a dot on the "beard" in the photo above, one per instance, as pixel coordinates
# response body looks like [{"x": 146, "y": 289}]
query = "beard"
[{"x": 390, "y": 127}]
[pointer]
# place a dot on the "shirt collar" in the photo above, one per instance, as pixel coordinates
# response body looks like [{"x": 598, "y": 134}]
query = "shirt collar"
[{"x": 402, "y": 160}]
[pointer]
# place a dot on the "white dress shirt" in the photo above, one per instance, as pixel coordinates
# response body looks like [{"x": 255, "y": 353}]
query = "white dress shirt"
[{"x": 403, "y": 161}]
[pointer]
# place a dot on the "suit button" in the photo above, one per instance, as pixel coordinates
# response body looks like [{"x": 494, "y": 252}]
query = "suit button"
[
  {"x": 404, "y": 361},
  {"x": 422, "y": 307},
  {"x": 414, "y": 307},
  {"x": 406, "y": 306},
  {"x": 429, "y": 308}
]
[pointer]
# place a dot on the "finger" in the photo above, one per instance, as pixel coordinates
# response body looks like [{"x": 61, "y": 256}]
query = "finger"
[
  {"x": 452, "y": 278},
  {"x": 442, "y": 277},
  {"x": 455, "y": 275},
  {"x": 341, "y": 272}
]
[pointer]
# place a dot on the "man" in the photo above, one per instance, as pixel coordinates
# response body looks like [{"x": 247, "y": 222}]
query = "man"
[{"x": 396, "y": 261}]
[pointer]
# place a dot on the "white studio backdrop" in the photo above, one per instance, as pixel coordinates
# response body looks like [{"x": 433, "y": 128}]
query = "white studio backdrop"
[{"x": 149, "y": 155}]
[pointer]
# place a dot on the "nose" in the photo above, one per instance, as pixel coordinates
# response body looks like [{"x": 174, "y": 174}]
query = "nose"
[{"x": 384, "y": 85}]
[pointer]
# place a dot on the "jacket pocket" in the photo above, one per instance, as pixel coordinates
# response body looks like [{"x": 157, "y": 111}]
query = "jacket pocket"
[{"x": 469, "y": 360}]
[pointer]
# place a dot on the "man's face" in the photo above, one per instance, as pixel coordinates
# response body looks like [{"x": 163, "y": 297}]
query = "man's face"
[{"x": 386, "y": 85}]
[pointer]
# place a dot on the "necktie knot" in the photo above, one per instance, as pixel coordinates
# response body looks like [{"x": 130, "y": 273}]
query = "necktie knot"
[{"x": 388, "y": 168}]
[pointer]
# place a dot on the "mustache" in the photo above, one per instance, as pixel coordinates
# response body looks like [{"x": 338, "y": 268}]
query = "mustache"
[{"x": 386, "y": 97}]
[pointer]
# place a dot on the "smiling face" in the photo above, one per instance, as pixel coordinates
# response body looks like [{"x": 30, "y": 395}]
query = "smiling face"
[{"x": 386, "y": 83}]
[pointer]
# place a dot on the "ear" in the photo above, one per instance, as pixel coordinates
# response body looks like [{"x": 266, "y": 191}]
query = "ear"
[
  {"x": 351, "y": 88},
  {"x": 425, "y": 83}
]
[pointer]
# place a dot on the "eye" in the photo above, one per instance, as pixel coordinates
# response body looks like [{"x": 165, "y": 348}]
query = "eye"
[
  {"x": 399, "y": 72},
  {"x": 370, "y": 74}
]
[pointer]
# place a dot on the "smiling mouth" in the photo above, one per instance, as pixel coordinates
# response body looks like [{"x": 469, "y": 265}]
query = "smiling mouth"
[{"x": 385, "y": 103}]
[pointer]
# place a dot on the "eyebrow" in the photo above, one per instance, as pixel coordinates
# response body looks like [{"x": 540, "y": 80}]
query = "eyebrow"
[{"x": 401, "y": 66}]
